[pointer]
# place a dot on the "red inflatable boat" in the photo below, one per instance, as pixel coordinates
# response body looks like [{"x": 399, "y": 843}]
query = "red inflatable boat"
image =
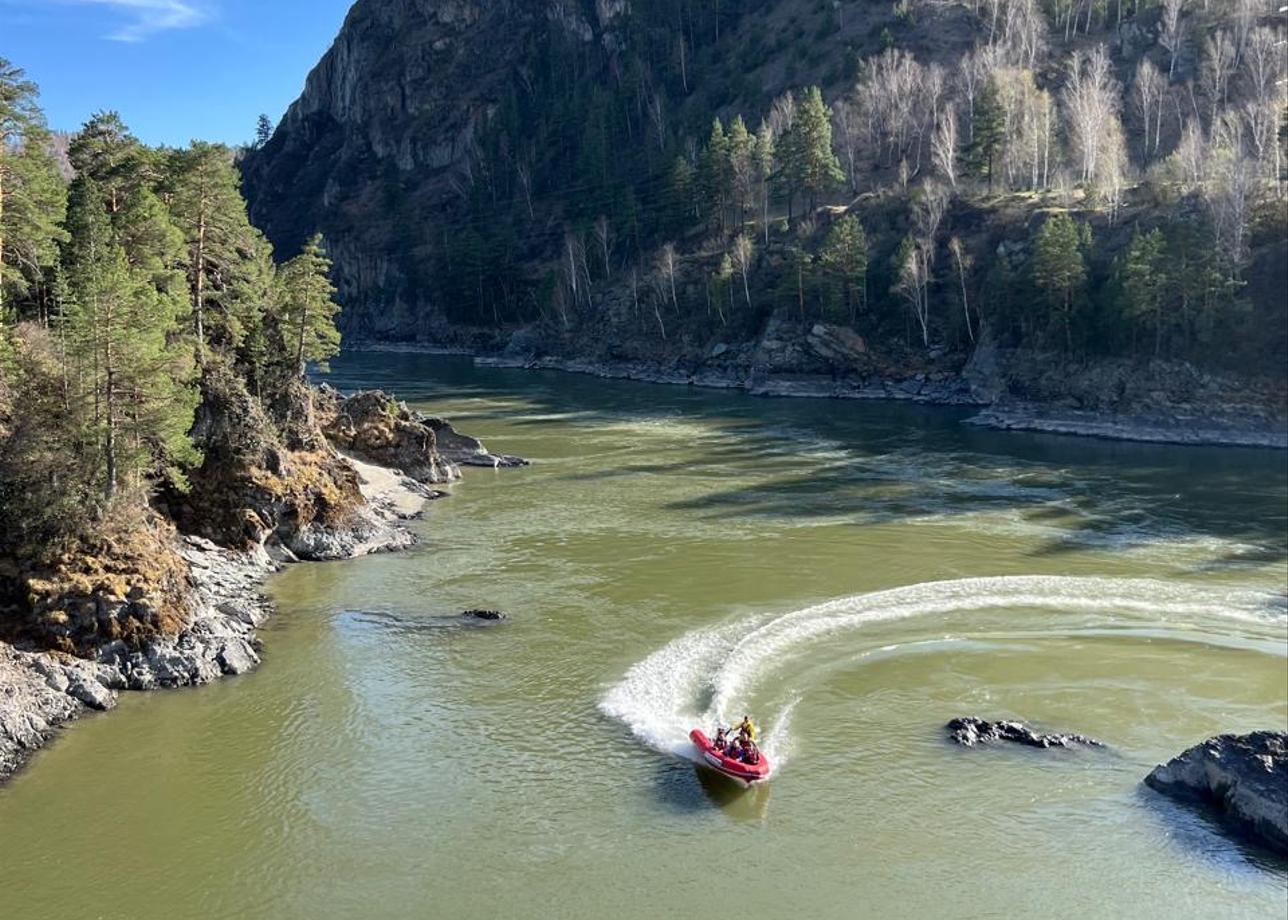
[{"x": 745, "y": 773}]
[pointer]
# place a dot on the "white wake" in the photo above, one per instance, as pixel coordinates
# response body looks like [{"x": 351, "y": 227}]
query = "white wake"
[{"x": 704, "y": 677}]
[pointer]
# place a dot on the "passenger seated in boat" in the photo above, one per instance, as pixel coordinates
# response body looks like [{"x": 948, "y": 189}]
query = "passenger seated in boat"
[
  {"x": 721, "y": 743},
  {"x": 735, "y": 749},
  {"x": 750, "y": 753}
]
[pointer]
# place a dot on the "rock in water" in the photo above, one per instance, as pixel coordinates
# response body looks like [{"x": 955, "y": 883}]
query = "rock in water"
[
  {"x": 484, "y": 616},
  {"x": 970, "y": 731},
  {"x": 1244, "y": 777}
]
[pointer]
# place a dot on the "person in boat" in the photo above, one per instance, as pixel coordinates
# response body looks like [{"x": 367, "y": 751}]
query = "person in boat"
[
  {"x": 721, "y": 743},
  {"x": 735, "y": 749},
  {"x": 750, "y": 753},
  {"x": 747, "y": 729}
]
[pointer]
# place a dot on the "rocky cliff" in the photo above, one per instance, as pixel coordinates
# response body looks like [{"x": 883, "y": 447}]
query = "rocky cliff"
[
  {"x": 427, "y": 119},
  {"x": 379, "y": 147}
]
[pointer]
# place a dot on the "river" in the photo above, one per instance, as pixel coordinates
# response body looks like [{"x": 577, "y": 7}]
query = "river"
[{"x": 853, "y": 574}]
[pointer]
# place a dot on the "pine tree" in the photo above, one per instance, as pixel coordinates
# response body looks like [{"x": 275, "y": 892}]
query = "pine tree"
[
  {"x": 309, "y": 307},
  {"x": 263, "y": 131},
  {"x": 1059, "y": 269},
  {"x": 152, "y": 243},
  {"x": 679, "y": 207},
  {"x": 742, "y": 154},
  {"x": 206, "y": 201},
  {"x": 1144, "y": 271},
  {"x": 988, "y": 134},
  {"x": 105, "y": 151},
  {"x": 808, "y": 162},
  {"x": 845, "y": 257},
  {"x": 763, "y": 157},
  {"x": 130, "y": 366},
  {"x": 33, "y": 199},
  {"x": 714, "y": 173}
]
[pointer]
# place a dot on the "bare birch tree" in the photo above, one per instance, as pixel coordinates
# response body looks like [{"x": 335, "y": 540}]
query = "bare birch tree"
[
  {"x": 944, "y": 146},
  {"x": 1091, "y": 98},
  {"x": 743, "y": 252},
  {"x": 963, "y": 263},
  {"x": 604, "y": 237},
  {"x": 1215, "y": 72},
  {"x": 1172, "y": 35},
  {"x": 1148, "y": 90}
]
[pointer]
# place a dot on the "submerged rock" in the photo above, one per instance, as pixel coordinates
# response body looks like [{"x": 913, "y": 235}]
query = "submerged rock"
[
  {"x": 970, "y": 731},
  {"x": 1243, "y": 777},
  {"x": 484, "y": 616}
]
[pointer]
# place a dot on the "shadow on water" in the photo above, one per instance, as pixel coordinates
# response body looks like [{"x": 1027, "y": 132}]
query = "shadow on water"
[
  {"x": 360, "y": 620},
  {"x": 873, "y": 462},
  {"x": 1201, "y": 829},
  {"x": 689, "y": 788}
]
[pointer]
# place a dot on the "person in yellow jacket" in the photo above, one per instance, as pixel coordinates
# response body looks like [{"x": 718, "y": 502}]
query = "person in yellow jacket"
[{"x": 747, "y": 729}]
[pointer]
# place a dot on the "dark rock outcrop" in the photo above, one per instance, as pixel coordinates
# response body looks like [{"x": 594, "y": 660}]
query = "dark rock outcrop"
[
  {"x": 970, "y": 731},
  {"x": 376, "y": 428},
  {"x": 463, "y": 449},
  {"x": 484, "y": 616},
  {"x": 269, "y": 482},
  {"x": 1244, "y": 778}
]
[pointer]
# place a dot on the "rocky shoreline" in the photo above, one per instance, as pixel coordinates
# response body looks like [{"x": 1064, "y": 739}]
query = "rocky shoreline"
[
  {"x": 1155, "y": 430},
  {"x": 42, "y": 691},
  {"x": 365, "y": 465},
  {"x": 1227, "y": 425}
]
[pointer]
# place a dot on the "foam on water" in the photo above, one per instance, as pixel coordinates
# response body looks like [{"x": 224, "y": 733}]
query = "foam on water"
[{"x": 703, "y": 677}]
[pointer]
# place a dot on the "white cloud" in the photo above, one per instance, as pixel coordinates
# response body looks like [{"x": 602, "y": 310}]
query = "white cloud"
[{"x": 144, "y": 18}]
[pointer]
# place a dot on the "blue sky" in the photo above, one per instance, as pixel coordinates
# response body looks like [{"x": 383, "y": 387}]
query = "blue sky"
[{"x": 174, "y": 69}]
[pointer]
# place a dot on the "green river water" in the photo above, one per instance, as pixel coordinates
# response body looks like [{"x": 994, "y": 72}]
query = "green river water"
[{"x": 853, "y": 574}]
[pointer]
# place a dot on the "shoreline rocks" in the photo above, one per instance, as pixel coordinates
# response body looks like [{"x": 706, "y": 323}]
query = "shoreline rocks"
[
  {"x": 970, "y": 731},
  {"x": 980, "y": 385},
  {"x": 1150, "y": 429},
  {"x": 1242, "y": 778},
  {"x": 41, "y": 691}
]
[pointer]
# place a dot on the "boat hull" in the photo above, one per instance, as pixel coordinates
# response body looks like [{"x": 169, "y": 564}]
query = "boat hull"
[{"x": 743, "y": 773}]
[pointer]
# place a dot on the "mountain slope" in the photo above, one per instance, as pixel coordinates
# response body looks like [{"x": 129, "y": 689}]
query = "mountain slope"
[{"x": 479, "y": 168}]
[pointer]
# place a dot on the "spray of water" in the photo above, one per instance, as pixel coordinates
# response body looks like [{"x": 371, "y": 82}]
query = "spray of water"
[{"x": 701, "y": 678}]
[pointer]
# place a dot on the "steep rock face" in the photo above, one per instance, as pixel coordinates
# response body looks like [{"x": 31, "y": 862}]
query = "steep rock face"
[{"x": 382, "y": 141}]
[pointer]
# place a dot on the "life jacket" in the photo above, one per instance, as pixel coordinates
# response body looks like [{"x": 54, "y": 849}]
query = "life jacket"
[{"x": 749, "y": 728}]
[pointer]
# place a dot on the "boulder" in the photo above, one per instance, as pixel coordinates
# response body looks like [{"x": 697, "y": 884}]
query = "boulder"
[
  {"x": 237, "y": 657},
  {"x": 837, "y": 344},
  {"x": 1244, "y": 778},
  {"x": 91, "y": 693},
  {"x": 970, "y": 731}
]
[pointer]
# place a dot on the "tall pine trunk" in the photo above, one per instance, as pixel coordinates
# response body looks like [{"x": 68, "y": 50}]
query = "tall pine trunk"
[{"x": 198, "y": 297}]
